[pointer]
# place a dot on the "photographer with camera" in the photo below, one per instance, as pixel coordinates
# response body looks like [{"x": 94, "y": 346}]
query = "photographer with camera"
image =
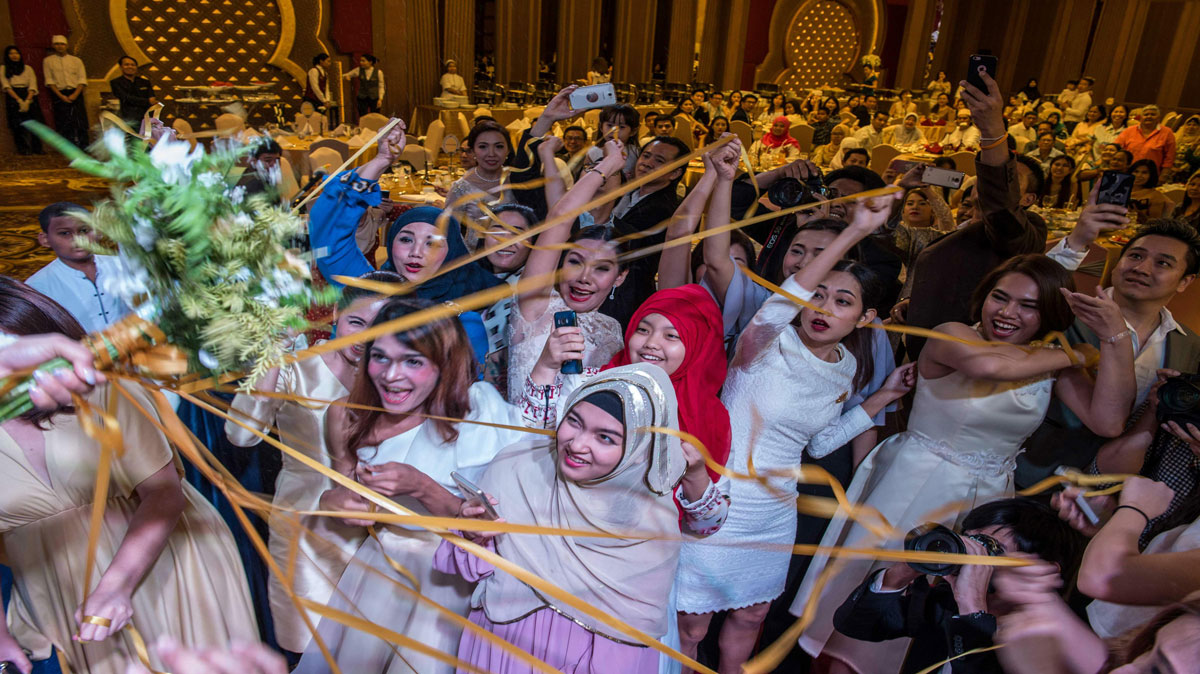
[{"x": 949, "y": 610}]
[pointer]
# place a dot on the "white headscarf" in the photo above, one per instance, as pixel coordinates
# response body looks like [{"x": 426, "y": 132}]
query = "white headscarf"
[
  {"x": 848, "y": 143},
  {"x": 627, "y": 578}
]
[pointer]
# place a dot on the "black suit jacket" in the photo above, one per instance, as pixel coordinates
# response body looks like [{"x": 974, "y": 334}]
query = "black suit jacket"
[
  {"x": 1062, "y": 439},
  {"x": 929, "y": 616},
  {"x": 650, "y": 214}
]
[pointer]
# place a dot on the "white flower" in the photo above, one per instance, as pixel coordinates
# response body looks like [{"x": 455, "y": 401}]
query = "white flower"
[
  {"x": 175, "y": 159},
  {"x": 144, "y": 232},
  {"x": 207, "y": 359},
  {"x": 244, "y": 221},
  {"x": 236, "y": 195},
  {"x": 114, "y": 142},
  {"x": 243, "y": 274},
  {"x": 281, "y": 284},
  {"x": 210, "y": 179},
  {"x": 129, "y": 281}
]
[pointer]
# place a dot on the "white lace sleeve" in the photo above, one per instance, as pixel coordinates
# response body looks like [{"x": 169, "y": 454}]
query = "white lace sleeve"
[
  {"x": 771, "y": 319},
  {"x": 847, "y": 427}
]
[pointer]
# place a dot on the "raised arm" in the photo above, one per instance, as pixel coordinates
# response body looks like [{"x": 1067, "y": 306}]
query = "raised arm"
[
  {"x": 995, "y": 362},
  {"x": 719, "y": 267},
  {"x": 674, "y": 265},
  {"x": 1113, "y": 568},
  {"x": 555, "y": 187},
  {"x": 557, "y": 110},
  {"x": 1105, "y": 404}
]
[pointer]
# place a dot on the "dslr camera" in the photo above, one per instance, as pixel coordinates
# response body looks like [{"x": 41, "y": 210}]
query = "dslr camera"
[
  {"x": 789, "y": 192},
  {"x": 932, "y": 537},
  {"x": 1179, "y": 400}
]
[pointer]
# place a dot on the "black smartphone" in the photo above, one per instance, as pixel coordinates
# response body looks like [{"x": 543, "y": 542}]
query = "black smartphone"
[
  {"x": 1115, "y": 188},
  {"x": 564, "y": 319},
  {"x": 977, "y": 61}
]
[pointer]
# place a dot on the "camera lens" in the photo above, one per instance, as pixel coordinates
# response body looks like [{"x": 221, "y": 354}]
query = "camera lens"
[
  {"x": 932, "y": 537},
  {"x": 592, "y": 97},
  {"x": 789, "y": 192}
]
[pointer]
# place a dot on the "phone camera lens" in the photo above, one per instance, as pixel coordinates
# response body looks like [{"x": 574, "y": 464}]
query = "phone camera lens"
[{"x": 592, "y": 97}]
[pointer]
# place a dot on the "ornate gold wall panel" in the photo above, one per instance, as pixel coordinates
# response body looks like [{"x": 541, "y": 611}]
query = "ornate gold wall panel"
[
  {"x": 195, "y": 42},
  {"x": 822, "y": 43}
]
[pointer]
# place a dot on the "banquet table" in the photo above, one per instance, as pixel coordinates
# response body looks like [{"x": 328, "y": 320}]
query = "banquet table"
[{"x": 296, "y": 149}]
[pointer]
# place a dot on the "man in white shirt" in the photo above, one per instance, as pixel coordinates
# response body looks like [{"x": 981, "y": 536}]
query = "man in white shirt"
[
  {"x": 869, "y": 136},
  {"x": 965, "y": 135},
  {"x": 1024, "y": 131},
  {"x": 76, "y": 279},
  {"x": 66, "y": 79},
  {"x": 1157, "y": 265},
  {"x": 1080, "y": 102}
]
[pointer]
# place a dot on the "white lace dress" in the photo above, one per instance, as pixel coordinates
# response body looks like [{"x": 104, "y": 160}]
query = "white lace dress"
[
  {"x": 601, "y": 335},
  {"x": 780, "y": 398},
  {"x": 959, "y": 451}
]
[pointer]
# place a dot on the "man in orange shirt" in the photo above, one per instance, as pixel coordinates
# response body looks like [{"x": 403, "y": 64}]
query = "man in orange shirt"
[{"x": 1150, "y": 141}]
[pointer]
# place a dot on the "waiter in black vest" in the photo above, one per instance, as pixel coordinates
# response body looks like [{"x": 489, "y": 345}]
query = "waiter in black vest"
[{"x": 370, "y": 84}]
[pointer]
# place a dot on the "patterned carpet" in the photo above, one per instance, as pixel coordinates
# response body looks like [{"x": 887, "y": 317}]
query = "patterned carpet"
[{"x": 29, "y": 184}]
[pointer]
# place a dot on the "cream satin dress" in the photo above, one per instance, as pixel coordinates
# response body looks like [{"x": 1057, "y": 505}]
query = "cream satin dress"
[
  {"x": 959, "y": 451},
  {"x": 196, "y": 592},
  {"x": 321, "y": 555}
]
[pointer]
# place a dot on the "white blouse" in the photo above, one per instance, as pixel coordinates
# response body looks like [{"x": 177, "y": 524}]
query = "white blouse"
[{"x": 27, "y": 78}]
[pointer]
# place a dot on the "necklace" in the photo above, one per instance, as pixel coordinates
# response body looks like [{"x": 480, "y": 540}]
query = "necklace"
[{"x": 481, "y": 178}]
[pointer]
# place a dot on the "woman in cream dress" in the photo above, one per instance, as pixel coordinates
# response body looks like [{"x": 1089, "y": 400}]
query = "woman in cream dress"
[
  {"x": 409, "y": 458},
  {"x": 165, "y": 562},
  {"x": 973, "y": 408},
  {"x": 322, "y": 555}
]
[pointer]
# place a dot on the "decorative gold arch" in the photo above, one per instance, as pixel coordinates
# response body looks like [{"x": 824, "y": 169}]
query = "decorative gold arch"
[
  {"x": 868, "y": 23},
  {"x": 118, "y": 12}
]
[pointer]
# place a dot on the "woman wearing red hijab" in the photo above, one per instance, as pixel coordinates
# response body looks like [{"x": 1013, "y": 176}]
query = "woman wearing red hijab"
[
  {"x": 777, "y": 141},
  {"x": 681, "y": 331}
]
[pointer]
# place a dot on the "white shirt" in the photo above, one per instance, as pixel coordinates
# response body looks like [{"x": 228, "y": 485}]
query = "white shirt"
[
  {"x": 369, "y": 76},
  {"x": 452, "y": 81},
  {"x": 26, "y": 78},
  {"x": 64, "y": 72},
  {"x": 1078, "y": 108},
  {"x": 1022, "y": 133},
  {"x": 82, "y": 298},
  {"x": 967, "y": 139},
  {"x": 868, "y": 137}
]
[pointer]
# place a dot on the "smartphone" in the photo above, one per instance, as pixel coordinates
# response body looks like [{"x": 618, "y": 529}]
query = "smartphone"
[
  {"x": 942, "y": 177},
  {"x": 593, "y": 96},
  {"x": 563, "y": 319},
  {"x": 1080, "y": 501},
  {"x": 1115, "y": 188},
  {"x": 473, "y": 494},
  {"x": 977, "y": 61},
  {"x": 901, "y": 166}
]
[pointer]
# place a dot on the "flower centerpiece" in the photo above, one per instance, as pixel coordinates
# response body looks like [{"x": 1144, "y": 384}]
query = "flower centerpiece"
[{"x": 205, "y": 267}]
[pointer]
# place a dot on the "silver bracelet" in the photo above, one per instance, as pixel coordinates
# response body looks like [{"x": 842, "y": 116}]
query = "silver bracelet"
[{"x": 1119, "y": 336}]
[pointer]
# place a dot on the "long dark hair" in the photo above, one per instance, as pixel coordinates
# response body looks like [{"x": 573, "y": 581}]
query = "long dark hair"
[
  {"x": 1048, "y": 275},
  {"x": 861, "y": 341},
  {"x": 13, "y": 68},
  {"x": 445, "y": 343},
  {"x": 25, "y": 311},
  {"x": 1068, "y": 186}
]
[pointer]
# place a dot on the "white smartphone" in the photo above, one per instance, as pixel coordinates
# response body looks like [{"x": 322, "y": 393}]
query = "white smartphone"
[
  {"x": 1080, "y": 501},
  {"x": 474, "y": 494},
  {"x": 942, "y": 177},
  {"x": 593, "y": 96}
]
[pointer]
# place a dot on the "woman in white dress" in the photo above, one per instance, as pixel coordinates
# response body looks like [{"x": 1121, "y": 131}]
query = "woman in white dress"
[
  {"x": 790, "y": 373},
  {"x": 401, "y": 454},
  {"x": 974, "y": 406},
  {"x": 320, "y": 558}
]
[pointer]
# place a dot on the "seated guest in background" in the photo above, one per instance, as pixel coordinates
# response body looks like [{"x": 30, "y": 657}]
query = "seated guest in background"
[
  {"x": 1054, "y": 119},
  {"x": 370, "y": 84},
  {"x": 1044, "y": 152},
  {"x": 66, "y": 79},
  {"x": 718, "y": 128},
  {"x": 1002, "y": 229},
  {"x": 1188, "y": 210},
  {"x": 872, "y": 134},
  {"x": 1146, "y": 200},
  {"x": 574, "y": 142},
  {"x": 700, "y": 107},
  {"x": 941, "y": 85},
  {"x": 1067, "y": 94},
  {"x": 734, "y": 102},
  {"x": 135, "y": 92},
  {"x": 952, "y": 615},
  {"x": 262, "y": 167},
  {"x": 855, "y": 156},
  {"x": 1122, "y": 160},
  {"x": 1029, "y": 93},
  {"x": 77, "y": 279},
  {"x": 776, "y": 142},
  {"x": 745, "y": 109},
  {"x": 1024, "y": 131},
  {"x": 1187, "y": 148},
  {"x": 1082, "y": 134},
  {"x": 601, "y": 71},
  {"x": 822, "y": 127},
  {"x": 316, "y": 88},
  {"x": 664, "y": 125},
  {"x": 903, "y": 106},
  {"x": 823, "y": 155},
  {"x": 774, "y": 109},
  {"x": 1150, "y": 141},
  {"x": 1043, "y": 127},
  {"x": 965, "y": 136},
  {"x": 687, "y": 108},
  {"x": 452, "y": 83},
  {"x": 866, "y": 111},
  {"x": 941, "y": 112},
  {"x": 715, "y": 105},
  {"x": 1117, "y": 122},
  {"x": 648, "y": 120},
  {"x": 907, "y": 133},
  {"x": 1061, "y": 187}
]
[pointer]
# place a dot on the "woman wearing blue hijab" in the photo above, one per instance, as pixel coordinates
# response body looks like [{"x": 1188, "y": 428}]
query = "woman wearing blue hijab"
[{"x": 416, "y": 248}]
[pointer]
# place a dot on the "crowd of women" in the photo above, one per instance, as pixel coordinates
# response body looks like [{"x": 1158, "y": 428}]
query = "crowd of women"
[{"x": 579, "y": 368}]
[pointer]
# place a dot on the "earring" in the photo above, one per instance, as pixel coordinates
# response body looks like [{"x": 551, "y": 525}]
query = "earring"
[{"x": 612, "y": 294}]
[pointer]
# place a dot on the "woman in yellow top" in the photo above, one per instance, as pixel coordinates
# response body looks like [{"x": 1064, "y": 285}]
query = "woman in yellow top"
[{"x": 166, "y": 562}]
